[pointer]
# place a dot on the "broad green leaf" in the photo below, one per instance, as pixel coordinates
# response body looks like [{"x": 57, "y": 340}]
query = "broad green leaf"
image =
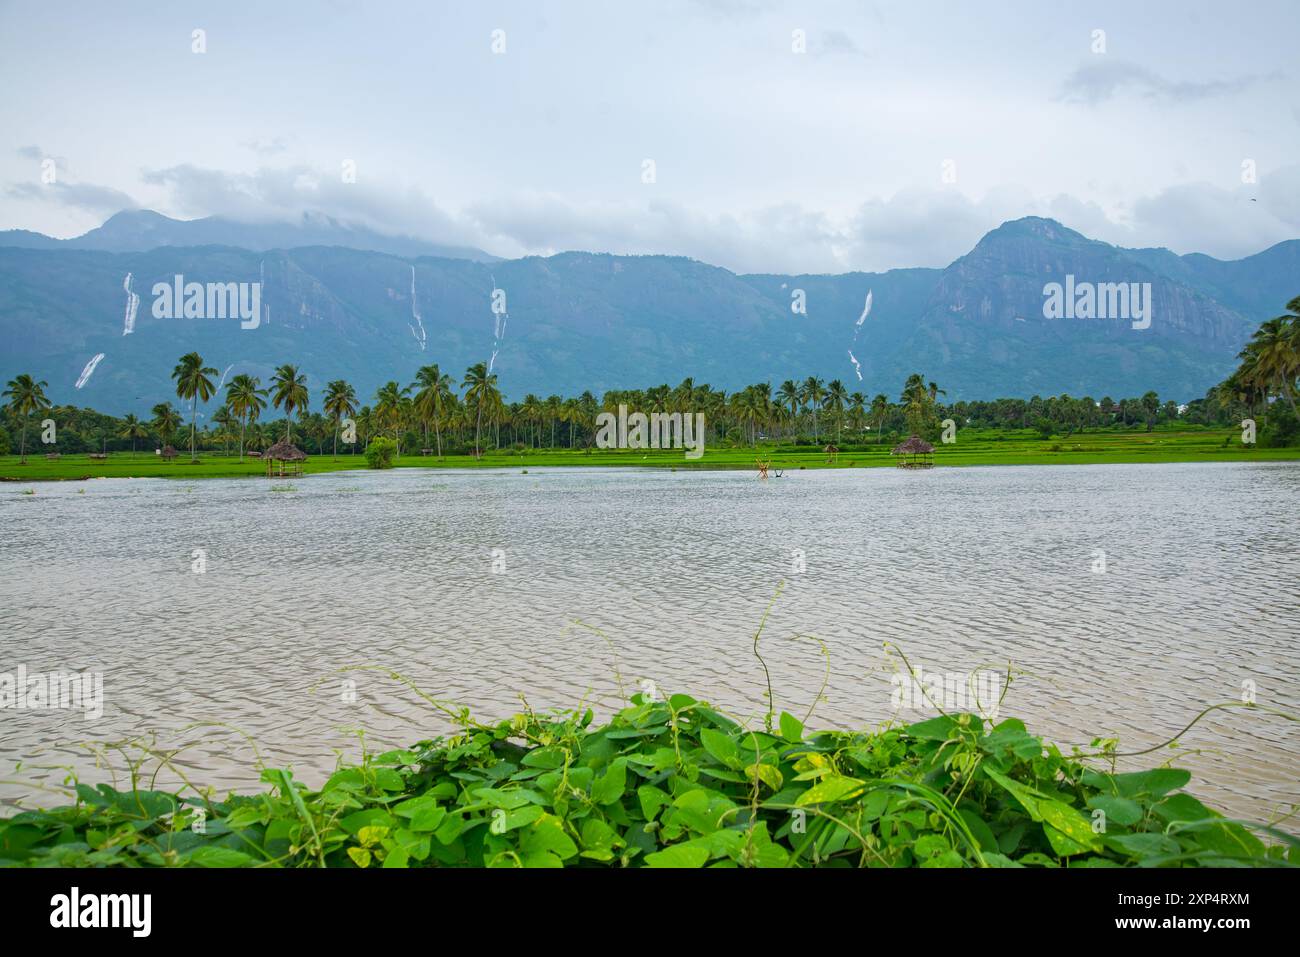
[
  {"x": 1143, "y": 845},
  {"x": 1117, "y": 809},
  {"x": 424, "y": 813},
  {"x": 609, "y": 787},
  {"x": 1067, "y": 829},
  {"x": 1181, "y": 807},
  {"x": 829, "y": 789},
  {"x": 214, "y": 856},
  {"x": 547, "y": 835},
  {"x": 370, "y": 817},
  {"x": 936, "y": 729},
  {"x": 652, "y": 800},
  {"x": 791, "y": 727},
  {"x": 980, "y": 829},
  {"x": 679, "y": 855},
  {"x": 767, "y": 773},
  {"x": 721, "y": 747}
]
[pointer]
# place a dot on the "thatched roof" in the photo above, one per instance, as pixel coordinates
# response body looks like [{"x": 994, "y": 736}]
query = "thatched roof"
[
  {"x": 831, "y": 449},
  {"x": 913, "y": 446},
  {"x": 285, "y": 452},
  {"x": 169, "y": 452}
]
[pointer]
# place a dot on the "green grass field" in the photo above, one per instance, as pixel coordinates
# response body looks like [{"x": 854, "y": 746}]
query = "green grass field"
[{"x": 973, "y": 447}]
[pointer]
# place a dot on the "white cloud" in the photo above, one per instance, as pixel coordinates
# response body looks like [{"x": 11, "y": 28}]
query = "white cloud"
[
  {"x": 1105, "y": 77},
  {"x": 87, "y": 197}
]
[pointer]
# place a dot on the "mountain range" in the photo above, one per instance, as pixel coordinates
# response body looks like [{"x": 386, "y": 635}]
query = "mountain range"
[
  {"x": 343, "y": 302},
  {"x": 135, "y": 231}
]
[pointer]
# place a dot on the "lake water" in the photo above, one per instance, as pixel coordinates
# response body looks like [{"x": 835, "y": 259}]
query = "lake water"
[{"x": 957, "y": 567}]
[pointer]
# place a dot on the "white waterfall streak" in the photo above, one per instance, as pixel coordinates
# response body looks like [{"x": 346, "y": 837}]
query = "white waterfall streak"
[
  {"x": 857, "y": 327},
  {"x": 498, "y": 327},
  {"x": 132, "y": 304},
  {"x": 87, "y": 372},
  {"x": 223, "y": 376},
  {"x": 866, "y": 310},
  {"x": 420, "y": 336}
]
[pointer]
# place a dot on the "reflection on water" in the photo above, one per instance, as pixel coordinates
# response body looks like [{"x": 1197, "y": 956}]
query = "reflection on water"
[{"x": 958, "y": 567}]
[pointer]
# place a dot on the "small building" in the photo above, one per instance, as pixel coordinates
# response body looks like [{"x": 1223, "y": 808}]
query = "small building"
[
  {"x": 284, "y": 460},
  {"x": 915, "y": 453},
  {"x": 168, "y": 452}
]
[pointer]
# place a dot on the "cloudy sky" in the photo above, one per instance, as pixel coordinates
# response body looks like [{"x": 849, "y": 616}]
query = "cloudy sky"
[{"x": 902, "y": 133}]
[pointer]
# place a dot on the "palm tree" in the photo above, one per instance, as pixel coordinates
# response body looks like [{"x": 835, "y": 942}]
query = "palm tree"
[
  {"x": 787, "y": 395},
  {"x": 431, "y": 400},
  {"x": 812, "y": 392},
  {"x": 857, "y": 410},
  {"x": 26, "y": 396},
  {"x": 753, "y": 405},
  {"x": 1150, "y": 403},
  {"x": 480, "y": 392},
  {"x": 531, "y": 414},
  {"x": 193, "y": 383},
  {"x": 836, "y": 398},
  {"x": 551, "y": 408},
  {"x": 288, "y": 390},
  {"x": 1272, "y": 357},
  {"x": 224, "y": 419},
  {"x": 166, "y": 421},
  {"x": 879, "y": 409},
  {"x": 133, "y": 429},
  {"x": 246, "y": 401},
  {"x": 684, "y": 396},
  {"x": 340, "y": 402},
  {"x": 917, "y": 404},
  {"x": 913, "y": 390},
  {"x": 388, "y": 409},
  {"x": 572, "y": 414}
]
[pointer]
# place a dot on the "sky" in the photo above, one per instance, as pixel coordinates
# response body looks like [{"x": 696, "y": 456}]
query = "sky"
[{"x": 760, "y": 136}]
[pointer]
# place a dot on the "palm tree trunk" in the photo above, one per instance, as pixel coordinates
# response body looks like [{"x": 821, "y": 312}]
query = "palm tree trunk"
[
  {"x": 24, "y": 441},
  {"x": 1286, "y": 391}
]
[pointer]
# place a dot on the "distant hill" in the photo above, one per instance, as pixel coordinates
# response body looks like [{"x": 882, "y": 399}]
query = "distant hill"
[
  {"x": 141, "y": 230},
  {"x": 594, "y": 321}
]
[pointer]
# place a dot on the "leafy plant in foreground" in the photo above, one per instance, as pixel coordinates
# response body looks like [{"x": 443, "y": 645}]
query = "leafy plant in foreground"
[{"x": 671, "y": 783}]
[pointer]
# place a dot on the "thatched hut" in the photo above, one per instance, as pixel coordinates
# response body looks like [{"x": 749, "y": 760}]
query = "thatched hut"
[
  {"x": 832, "y": 451},
  {"x": 284, "y": 459},
  {"x": 169, "y": 452},
  {"x": 915, "y": 453}
]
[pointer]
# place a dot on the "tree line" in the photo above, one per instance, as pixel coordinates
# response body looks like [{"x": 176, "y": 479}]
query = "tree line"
[{"x": 437, "y": 414}]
